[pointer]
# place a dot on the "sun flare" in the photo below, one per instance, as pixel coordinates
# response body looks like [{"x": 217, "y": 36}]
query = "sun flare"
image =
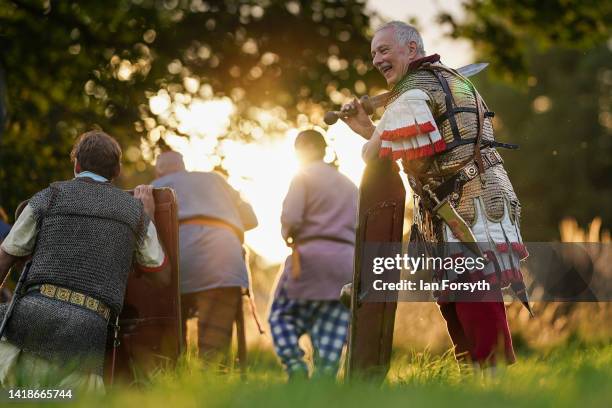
[{"x": 261, "y": 171}]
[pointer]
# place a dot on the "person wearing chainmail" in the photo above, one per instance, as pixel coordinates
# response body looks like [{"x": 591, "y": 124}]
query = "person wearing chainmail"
[
  {"x": 83, "y": 236},
  {"x": 318, "y": 222},
  {"x": 437, "y": 123},
  {"x": 214, "y": 275},
  {"x": 5, "y": 228}
]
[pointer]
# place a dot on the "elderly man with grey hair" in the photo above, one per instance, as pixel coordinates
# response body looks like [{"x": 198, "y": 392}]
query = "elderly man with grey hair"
[
  {"x": 212, "y": 221},
  {"x": 437, "y": 123}
]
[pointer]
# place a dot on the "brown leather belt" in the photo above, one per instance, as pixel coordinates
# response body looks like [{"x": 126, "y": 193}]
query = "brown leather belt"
[
  {"x": 453, "y": 185},
  {"x": 213, "y": 222},
  {"x": 296, "y": 268}
]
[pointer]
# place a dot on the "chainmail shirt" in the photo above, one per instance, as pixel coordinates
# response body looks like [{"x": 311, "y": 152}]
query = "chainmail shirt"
[{"x": 88, "y": 232}]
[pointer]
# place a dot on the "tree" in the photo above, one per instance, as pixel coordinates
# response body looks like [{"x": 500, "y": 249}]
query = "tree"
[
  {"x": 563, "y": 125},
  {"x": 551, "y": 94},
  {"x": 73, "y": 65},
  {"x": 503, "y": 31}
]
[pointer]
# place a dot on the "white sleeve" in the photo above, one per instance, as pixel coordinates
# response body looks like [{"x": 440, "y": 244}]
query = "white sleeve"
[
  {"x": 371, "y": 148},
  {"x": 150, "y": 255},
  {"x": 22, "y": 237}
]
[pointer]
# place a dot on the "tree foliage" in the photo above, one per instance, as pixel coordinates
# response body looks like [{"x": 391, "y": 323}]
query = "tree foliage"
[
  {"x": 553, "y": 97},
  {"x": 563, "y": 124},
  {"x": 502, "y": 31},
  {"x": 72, "y": 65}
]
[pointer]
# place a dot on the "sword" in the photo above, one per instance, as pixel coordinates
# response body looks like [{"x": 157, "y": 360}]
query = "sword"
[
  {"x": 520, "y": 291},
  {"x": 9, "y": 309},
  {"x": 472, "y": 69},
  {"x": 373, "y": 102},
  {"x": 447, "y": 213}
]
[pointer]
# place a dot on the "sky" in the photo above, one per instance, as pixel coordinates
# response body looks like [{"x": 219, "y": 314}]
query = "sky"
[
  {"x": 454, "y": 53},
  {"x": 262, "y": 171}
]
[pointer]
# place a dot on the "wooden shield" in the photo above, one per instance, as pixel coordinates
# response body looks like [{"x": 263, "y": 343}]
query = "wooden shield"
[
  {"x": 150, "y": 322},
  {"x": 381, "y": 218}
]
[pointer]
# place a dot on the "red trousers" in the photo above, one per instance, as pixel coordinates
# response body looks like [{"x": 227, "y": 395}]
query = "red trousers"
[{"x": 479, "y": 330}]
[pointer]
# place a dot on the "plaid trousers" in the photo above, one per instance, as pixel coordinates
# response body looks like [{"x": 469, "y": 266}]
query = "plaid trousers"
[{"x": 326, "y": 321}]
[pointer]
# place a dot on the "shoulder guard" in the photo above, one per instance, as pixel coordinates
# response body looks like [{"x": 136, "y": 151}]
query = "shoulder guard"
[{"x": 407, "y": 128}]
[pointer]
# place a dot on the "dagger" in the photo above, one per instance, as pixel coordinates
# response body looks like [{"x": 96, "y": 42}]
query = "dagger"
[{"x": 447, "y": 213}]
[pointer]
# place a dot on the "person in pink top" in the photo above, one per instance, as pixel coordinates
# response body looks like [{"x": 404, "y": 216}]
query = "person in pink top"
[{"x": 318, "y": 222}]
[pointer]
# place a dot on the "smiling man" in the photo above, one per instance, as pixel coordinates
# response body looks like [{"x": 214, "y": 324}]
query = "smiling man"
[{"x": 439, "y": 126}]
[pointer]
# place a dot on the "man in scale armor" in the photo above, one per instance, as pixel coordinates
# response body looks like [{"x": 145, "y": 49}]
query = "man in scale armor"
[{"x": 438, "y": 125}]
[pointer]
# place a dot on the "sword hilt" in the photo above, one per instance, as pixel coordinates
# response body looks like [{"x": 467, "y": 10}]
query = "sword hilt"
[{"x": 431, "y": 194}]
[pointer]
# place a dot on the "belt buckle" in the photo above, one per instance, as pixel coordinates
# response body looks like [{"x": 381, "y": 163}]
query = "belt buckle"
[
  {"x": 495, "y": 158},
  {"x": 92, "y": 304}
]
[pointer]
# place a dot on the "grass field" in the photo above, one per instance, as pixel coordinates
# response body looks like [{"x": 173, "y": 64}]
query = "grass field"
[
  {"x": 568, "y": 376},
  {"x": 564, "y": 360}
]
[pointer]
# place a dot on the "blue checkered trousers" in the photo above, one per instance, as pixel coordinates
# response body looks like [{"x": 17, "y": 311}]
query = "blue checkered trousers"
[{"x": 325, "y": 321}]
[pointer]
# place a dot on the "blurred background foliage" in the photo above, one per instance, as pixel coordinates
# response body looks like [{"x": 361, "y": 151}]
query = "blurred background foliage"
[
  {"x": 131, "y": 67},
  {"x": 66, "y": 66},
  {"x": 560, "y": 117},
  {"x": 550, "y": 84},
  {"x": 72, "y": 65},
  {"x": 504, "y": 31}
]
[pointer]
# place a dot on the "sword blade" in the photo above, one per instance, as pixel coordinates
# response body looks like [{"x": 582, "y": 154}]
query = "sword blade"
[
  {"x": 458, "y": 226},
  {"x": 472, "y": 69}
]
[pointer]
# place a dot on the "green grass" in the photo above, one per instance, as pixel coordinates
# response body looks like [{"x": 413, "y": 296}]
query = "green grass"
[{"x": 571, "y": 376}]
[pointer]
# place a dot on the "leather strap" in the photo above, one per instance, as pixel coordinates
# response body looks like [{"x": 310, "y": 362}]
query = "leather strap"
[
  {"x": 467, "y": 173},
  {"x": 477, "y": 152},
  {"x": 296, "y": 266},
  {"x": 296, "y": 269},
  {"x": 324, "y": 238},
  {"x": 213, "y": 222},
  {"x": 441, "y": 118},
  {"x": 451, "y": 110},
  {"x": 483, "y": 143},
  {"x": 448, "y": 98}
]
